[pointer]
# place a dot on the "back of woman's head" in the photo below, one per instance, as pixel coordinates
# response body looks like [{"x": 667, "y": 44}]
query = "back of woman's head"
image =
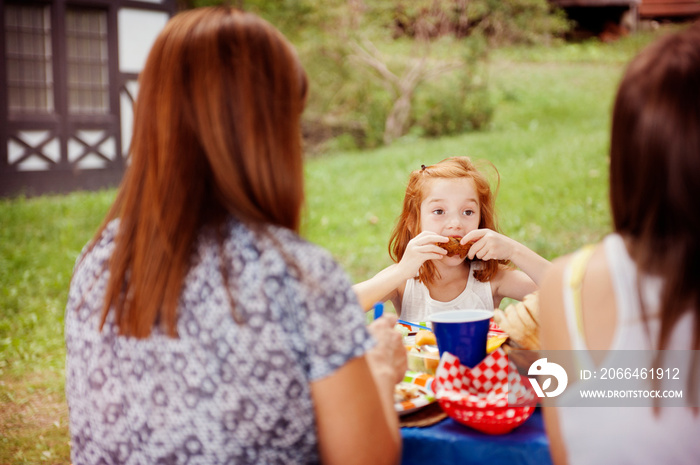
[
  {"x": 655, "y": 145},
  {"x": 216, "y": 132},
  {"x": 219, "y": 112},
  {"x": 408, "y": 224},
  {"x": 655, "y": 166}
]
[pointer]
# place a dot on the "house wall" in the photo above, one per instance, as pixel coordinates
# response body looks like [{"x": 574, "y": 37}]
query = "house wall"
[
  {"x": 137, "y": 32},
  {"x": 62, "y": 150}
]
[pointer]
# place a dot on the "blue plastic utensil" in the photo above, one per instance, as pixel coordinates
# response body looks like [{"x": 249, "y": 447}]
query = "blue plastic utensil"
[
  {"x": 378, "y": 310},
  {"x": 414, "y": 324}
]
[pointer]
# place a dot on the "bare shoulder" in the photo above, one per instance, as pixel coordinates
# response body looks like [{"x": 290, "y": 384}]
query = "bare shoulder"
[
  {"x": 553, "y": 322},
  {"x": 551, "y": 292},
  {"x": 553, "y": 280},
  {"x": 557, "y": 269}
]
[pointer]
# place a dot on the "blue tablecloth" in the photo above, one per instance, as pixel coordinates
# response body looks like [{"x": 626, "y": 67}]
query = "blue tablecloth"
[{"x": 451, "y": 443}]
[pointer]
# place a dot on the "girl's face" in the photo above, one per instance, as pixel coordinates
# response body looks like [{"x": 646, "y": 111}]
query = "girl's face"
[{"x": 451, "y": 207}]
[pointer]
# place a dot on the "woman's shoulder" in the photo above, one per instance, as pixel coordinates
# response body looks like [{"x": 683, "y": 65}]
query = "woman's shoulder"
[
  {"x": 590, "y": 253},
  {"x": 588, "y": 256},
  {"x": 560, "y": 264},
  {"x": 274, "y": 244},
  {"x": 554, "y": 276},
  {"x": 569, "y": 269},
  {"x": 305, "y": 252},
  {"x": 100, "y": 247}
]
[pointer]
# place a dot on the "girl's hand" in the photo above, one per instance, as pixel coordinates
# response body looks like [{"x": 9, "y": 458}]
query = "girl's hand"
[
  {"x": 421, "y": 248},
  {"x": 490, "y": 245},
  {"x": 515, "y": 284}
]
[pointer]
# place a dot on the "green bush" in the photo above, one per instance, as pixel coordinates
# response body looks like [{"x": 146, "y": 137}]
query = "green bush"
[
  {"x": 451, "y": 107},
  {"x": 349, "y": 102},
  {"x": 454, "y": 30},
  {"x": 458, "y": 102},
  {"x": 348, "y": 98},
  {"x": 343, "y": 99},
  {"x": 501, "y": 21}
]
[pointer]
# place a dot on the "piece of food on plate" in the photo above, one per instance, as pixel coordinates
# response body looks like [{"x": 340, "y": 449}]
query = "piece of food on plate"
[
  {"x": 424, "y": 337},
  {"x": 453, "y": 247},
  {"x": 495, "y": 342},
  {"x": 406, "y": 391},
  {"x": 423, "y": 354},
  {"x": 402, "y": 329},
  {"x": 431, "y": 362}
]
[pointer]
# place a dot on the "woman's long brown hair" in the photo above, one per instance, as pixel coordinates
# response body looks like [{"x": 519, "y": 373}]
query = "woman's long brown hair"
[
  {"x": 655, "y": 172},
  {"x": 408, "y": 224},
  {"x": 216, "y": 132}
]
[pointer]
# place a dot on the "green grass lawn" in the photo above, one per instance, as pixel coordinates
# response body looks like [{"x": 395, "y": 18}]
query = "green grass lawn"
[{"x": 548, "y": 140}]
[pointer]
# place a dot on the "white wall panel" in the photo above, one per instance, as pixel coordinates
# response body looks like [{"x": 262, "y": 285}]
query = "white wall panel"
[
  {"x": 127, "y": 114},
  {"x": 138, "y": 30}
]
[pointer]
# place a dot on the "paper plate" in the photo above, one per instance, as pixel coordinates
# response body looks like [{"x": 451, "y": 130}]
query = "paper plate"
[{"x": 422, "y": 384}]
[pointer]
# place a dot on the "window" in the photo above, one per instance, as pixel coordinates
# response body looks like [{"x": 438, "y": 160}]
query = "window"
[
  {"x": 86, "y": 52},
  {"x": 28, "y": 57}
]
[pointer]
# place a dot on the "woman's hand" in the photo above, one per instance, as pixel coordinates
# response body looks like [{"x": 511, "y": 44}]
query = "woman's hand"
[
  {"x": 388, "y": 357},
  {"x": 520, "y": 321},
  {"x": 490, "y": 245},
  {"x": 420, "y": 249}
]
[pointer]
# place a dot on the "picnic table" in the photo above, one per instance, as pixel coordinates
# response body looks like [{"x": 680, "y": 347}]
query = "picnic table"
[{"x": 449, "y": 442}]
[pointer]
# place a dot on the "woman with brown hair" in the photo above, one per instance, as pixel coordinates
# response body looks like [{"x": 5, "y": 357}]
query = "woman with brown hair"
[
  {"x": 199, "y": 325},
  {"x": 638, "y": 290}
]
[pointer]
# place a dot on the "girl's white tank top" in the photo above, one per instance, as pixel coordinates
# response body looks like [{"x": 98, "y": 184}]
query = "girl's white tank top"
[{"x": 417, "y": 305}]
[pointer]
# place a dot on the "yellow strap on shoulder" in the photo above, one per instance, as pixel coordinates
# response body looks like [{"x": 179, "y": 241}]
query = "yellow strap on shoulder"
[{"x": 579, "y": 262}]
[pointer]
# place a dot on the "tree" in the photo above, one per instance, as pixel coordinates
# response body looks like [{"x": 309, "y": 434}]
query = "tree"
[
  {"x": 362, "y": 92},
  {"x": 402, "y": 85}
]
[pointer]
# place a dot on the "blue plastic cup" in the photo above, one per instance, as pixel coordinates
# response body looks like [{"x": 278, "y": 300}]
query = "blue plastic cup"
[{"x": 463, "y": 333}]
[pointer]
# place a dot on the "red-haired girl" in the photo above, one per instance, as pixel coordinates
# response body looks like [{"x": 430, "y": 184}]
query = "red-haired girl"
[{"x": 450, "y": 199}]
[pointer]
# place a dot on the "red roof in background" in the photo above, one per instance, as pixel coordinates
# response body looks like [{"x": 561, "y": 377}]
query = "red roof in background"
[{"x": 667, "y": 8}]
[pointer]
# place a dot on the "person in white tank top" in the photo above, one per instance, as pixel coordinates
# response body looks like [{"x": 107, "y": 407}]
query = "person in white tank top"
[
  {"x": 451, "y": 199},
  {"x": 417, "y": 305},
  {"x": 638, "y": 289}
]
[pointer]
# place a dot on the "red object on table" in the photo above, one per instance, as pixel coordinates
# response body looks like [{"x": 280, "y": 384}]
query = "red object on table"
[
  {"x": 495, "y": 330},
  {"x": 479, "y": 397}
]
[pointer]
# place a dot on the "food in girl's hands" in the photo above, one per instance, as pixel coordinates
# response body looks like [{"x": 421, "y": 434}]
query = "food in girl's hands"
[{"x": 453, "y": 247}]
